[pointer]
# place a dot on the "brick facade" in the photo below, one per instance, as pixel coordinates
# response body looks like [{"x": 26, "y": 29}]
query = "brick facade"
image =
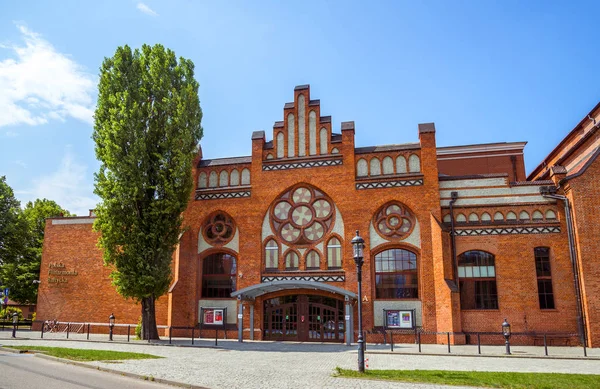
[{"x": 308, "y": 187}]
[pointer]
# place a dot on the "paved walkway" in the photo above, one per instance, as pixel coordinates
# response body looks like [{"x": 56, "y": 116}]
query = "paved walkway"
[{"x": 304, "y": 365}]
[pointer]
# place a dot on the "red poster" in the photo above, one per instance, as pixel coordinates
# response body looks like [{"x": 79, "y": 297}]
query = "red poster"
[{"x": 209, "y": 317}]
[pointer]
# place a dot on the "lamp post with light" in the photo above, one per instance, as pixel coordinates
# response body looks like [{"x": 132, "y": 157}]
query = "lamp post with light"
[
  {"x": 111, "y": 325},
  {"x": 358, "y": 244},
  {"x": 506, "y": 333}
]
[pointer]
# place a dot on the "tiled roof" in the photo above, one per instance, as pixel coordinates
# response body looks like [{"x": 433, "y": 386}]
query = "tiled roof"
[
  {"x": 375, "y": 149},
  {"x": 224, "y": 161}
]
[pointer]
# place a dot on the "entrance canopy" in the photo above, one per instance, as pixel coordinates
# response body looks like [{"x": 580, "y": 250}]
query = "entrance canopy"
[{"x": 254, "y": 291}]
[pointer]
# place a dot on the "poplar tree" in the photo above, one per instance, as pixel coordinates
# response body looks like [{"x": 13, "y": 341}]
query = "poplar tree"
[{"x": 147, "y": 129}]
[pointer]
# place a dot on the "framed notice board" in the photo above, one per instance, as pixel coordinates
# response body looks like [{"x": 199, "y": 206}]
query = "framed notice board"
[
  {"x": 214, "y": 317},
  {"x": 399, "y": 319}
]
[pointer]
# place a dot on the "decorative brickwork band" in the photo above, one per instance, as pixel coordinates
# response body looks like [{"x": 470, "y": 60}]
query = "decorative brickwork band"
[
  {"x": 339, "y": 278},
  {"x": 222, "y": 195},
  {"x": 509, "y": 230},
  {"x": 388, "y": 184},
  {"x": 300, "y": 165}
]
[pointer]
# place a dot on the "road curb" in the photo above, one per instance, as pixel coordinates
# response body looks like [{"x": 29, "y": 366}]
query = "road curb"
[{"x": 118, "y": 372}]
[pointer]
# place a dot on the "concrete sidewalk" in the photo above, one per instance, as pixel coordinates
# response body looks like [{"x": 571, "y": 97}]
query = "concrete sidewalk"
[{"x": 294, "y": 365}]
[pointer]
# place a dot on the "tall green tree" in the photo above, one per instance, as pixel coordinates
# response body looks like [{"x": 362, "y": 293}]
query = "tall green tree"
[
  {"x": 13, "y": 235},
  {"x": 147, "y": 128},
  {"x": 28, "y": 267},
  {"x": 21, "y": 241}
]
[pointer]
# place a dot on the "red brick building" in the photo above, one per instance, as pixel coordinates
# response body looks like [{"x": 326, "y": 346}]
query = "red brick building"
[{"x": 456, "y": 239}]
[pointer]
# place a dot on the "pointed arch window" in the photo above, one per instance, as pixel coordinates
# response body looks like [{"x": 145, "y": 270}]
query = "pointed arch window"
[
  {"x": 291, "y": 261},
  {"x": 271, "y": 254},
  {"x": 313, "y": 260},
  {"x": 334, "y": 254}
]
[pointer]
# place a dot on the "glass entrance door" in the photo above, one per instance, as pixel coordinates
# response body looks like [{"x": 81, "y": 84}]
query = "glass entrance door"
[{"x": 305, "y": 318}]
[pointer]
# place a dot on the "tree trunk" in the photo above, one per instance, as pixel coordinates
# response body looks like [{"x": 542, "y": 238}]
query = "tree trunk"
[{"x": 149, "y": 330}]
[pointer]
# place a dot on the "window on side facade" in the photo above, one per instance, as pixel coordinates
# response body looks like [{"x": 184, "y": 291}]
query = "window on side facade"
[
  {"x": 271, "y": 255},
  {"x": 477, "y": 277},
  {"x": 334, "y": 254},
  {"x": 544, "y": 277},
  {"x": 396, "y": 274},
  {"x": 219, "y": 276}
]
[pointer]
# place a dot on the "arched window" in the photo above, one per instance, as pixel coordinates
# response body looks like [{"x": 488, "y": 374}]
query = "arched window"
[
  {"x": 224, "y": 178},
  {"x": 291, "y": 261},
  {"x": 400, "y": 165},
  {"x": 202, "y": 180},
  {"x": 414, "y": 164},
  {"x": 234, "y": 179},
  {"x": 271, "y": 255},
  {"x": 280, "y": 145},
  {"x": 313, "y": 260},
  {"x": 396, "y": 274},
  {"x": 477, "y": 276},
  {"x": 361, "y": 168},
  {"x": 388, "y": 165},
  {"x": 218, "y": 276},
  {"x": 246, "y": 177},
  {"x": 334, "y": 254},
  {"x": 374, "y": 167}
]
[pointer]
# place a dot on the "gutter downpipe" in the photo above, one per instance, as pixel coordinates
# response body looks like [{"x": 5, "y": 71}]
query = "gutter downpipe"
[
  {"x": 453, "y": 197},
  {"x": 573, "y": 255}
]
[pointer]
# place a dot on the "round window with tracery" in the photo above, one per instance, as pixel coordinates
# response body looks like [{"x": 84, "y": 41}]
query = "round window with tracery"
[
  {"x": 218, "y": 229},
  {"x": 303, "y": 215},
  {"x": 394, "y": 220}
]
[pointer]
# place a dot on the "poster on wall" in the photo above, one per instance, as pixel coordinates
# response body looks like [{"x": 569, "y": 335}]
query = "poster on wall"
[
  {"x": 395, "y": 318},
  {"x": 213, "y": 316}
]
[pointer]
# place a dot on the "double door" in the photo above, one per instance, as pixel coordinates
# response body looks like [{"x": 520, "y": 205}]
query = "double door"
[{"x": 304, "y": 318}]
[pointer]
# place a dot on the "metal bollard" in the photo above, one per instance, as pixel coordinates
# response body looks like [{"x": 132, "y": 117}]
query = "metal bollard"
[
  {"x": 478, "y": 344},
  {"x": 216, "y": 335},
  {"x": 170, "y": 334},
  {"x": 391, "y": 341},
  {"x": 545, "y": 346},
  {"x": 68, "y": 329},
  {"x": 128, "y": 332},
  {"x": 448, "y": 337},
  {"x": 584, "y": 349},
  {"x": 193, "y": 329},
  {"x": 419, "y": 340},
  {"x": 42, "y": 336},
  {"x": 88, "y": 334}
]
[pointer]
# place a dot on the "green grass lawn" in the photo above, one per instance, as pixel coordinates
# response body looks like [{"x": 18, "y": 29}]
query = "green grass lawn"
[
  {"x": 481, "y": 378},
  {"x": 85, "y": 355}
]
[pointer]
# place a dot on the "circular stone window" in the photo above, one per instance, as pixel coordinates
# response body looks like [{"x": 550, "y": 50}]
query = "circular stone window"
[
  {"x": 394, "y": 221},
  {"x": 218, "y": 229},
  {"x": 302, "y": 215}
]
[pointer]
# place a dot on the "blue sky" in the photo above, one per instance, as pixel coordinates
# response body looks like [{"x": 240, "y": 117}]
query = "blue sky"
[{"x": 483, "y": 71}]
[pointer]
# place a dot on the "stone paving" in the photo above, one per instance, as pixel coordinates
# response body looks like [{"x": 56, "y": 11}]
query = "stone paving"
[{"x": 308, "y": 365}]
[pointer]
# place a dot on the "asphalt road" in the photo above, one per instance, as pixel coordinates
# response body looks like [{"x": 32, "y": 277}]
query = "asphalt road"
[{"x": 18, "y": 371}]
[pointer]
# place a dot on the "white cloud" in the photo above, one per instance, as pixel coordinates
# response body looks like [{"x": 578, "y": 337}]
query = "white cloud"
[
  {"x": 20, "y": 163},
  {"x": 11, "y": 134},
  {"x": 69, "y": 186},
  {"x": 145, "y": 9},
  {"x": 40, "y": 84}
]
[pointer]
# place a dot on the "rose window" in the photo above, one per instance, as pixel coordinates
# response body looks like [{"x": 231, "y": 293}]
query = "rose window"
[
  {"x": 394, "y": 220},
  {"x": 302, "y": 215},
  {"x": 218, "y": 229}
]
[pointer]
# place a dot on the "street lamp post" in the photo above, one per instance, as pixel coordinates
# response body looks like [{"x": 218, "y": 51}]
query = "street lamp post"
[
  {"x": 358, "y": 244},
  {"x": 506, "y": 333},
  {"x": 15, "y": 319},
  {"x": 111, "y": 325}
]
